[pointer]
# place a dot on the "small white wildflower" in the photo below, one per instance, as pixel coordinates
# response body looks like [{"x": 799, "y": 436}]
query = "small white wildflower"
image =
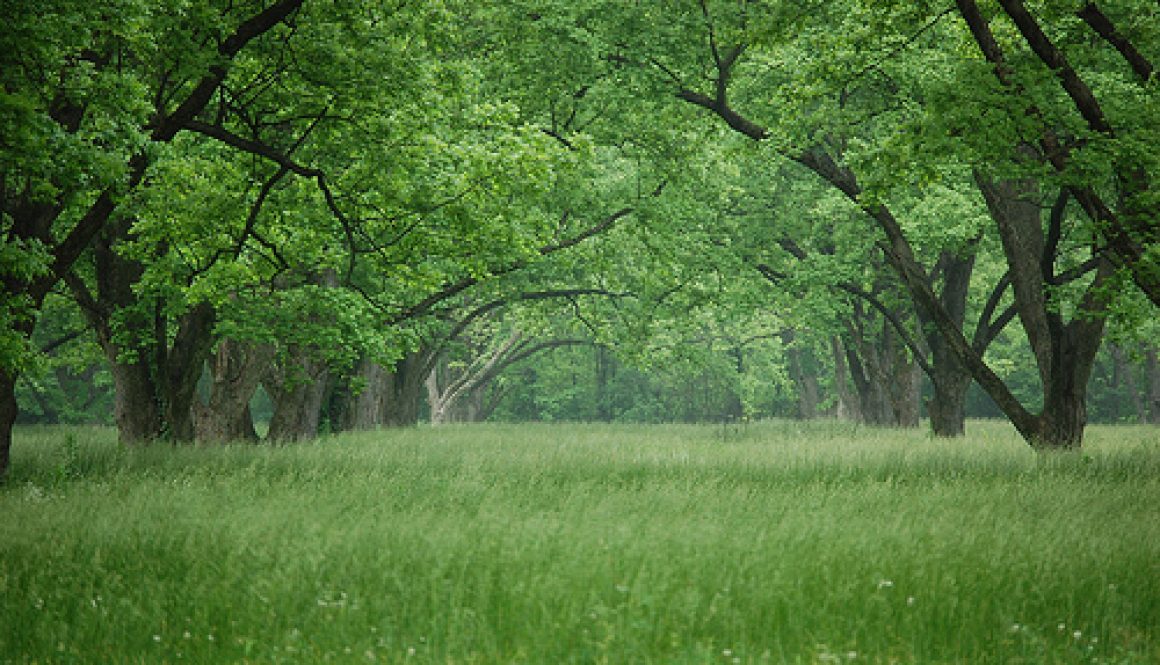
[
  {"x": 186, "y": 635},
  {"x": 410, "y": 651},
  {"x": 910, "y": 600},
  {"x": 1062, "y": 627},
  {"x": 1015, "y": 628},
  {"x": 727, "y": 652},
  {"x": 1077, "y": 634},
  {"x": 851, "y": 655},
  {"x": 885, "y": 584},
  {"x": 156, "y": 638},
  {"x": 736, "y": 659}
]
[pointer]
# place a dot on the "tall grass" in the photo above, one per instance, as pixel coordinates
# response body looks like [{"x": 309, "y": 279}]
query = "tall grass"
[{"x": 776, "y": 542}]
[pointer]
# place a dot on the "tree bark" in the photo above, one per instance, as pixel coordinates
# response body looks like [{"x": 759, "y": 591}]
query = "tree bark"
[
  {"x": 947, "y": 406},
  {"x": 949, "y": 378},
  {"x": 235, "y": 375},
  {"x": 805, "y": 382},
  {"x": 385, "y": 397},
  {"x": 135, "y": 407},
  {"x": 846, "y": 407},
  {"x": 8, "y": 411},
  {"x": 183, "y": 363},
  {"x": 297, "y": 387}
]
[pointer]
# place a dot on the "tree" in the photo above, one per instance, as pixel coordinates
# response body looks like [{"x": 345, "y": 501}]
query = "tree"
[
  {"x": 79, "y": 100},
  {"x": 729, "y": 35}
]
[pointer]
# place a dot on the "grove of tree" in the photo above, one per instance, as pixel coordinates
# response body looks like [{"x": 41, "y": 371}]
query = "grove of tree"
[{"x": 350, "y": 214}]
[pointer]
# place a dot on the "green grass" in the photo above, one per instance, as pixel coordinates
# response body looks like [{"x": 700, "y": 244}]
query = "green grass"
[{"x": 776, "y": 542}]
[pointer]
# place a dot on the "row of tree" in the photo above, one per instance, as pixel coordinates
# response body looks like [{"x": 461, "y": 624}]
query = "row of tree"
[{"x": 364, "y": 207}]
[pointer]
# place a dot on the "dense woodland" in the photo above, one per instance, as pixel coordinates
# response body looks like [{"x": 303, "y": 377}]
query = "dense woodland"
[{"x": 333, "y": 215}]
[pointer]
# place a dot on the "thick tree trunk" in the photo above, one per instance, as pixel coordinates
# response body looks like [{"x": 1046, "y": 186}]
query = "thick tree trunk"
[
  {"x": 947, "y": 406},
  {"x": 1064, "y": 416},
  {"x": 805, "y": 382},
  {"x": 298, "y": 390},
  {"x": 183, "y": 363},
  {"x": 1064, "y": 352},
  {"x": 8, "y": 411},
  {"x": 235, "y": 375},
  {"x": 135, "y": 407},
  {"x": 385, "y": 397},
  {"x": 886, "y": 380},
  {"x": 949, "y": 378}
]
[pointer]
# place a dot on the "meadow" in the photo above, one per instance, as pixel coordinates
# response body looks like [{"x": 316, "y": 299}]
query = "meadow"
[{"x": 776, "y": 542}]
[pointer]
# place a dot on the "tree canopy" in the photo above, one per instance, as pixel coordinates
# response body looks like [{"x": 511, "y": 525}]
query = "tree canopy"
[{"x": 368, "y": 211}]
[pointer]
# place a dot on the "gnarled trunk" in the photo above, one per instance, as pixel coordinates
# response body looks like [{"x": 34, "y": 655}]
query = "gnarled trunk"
[
  {"x": 235, "y": 375},
  {"x": 182, "y": 364},
  {"x": 385, "y": 397},
  {"x": 1064, "y": 351},
  {"x": 297, "y": 387},
  {"x": 135, "y": 406}
]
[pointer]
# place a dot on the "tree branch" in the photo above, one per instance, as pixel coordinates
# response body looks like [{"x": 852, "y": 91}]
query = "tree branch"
[
  {"x": 1055, "y": 60},
  {"x": 1104, "y": 27}
]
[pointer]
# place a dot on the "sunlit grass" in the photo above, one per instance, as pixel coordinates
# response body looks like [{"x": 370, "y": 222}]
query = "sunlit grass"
[{"x": 772, "y": 542}]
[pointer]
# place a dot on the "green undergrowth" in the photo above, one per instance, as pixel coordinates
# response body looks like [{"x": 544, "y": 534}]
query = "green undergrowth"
[{"x": 776, "y": 542}]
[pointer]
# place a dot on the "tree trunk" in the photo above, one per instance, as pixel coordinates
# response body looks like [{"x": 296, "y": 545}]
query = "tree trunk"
[
  {"x": 847, "y": 405},
  {"x": 1064, "y": 352},
  {"x": 949, "y": 378},
  {"x": 298, "y": 389},
  {"x": 906, "y": 396},
  {"x": 8, "y": 411},
  {"x": 183, "y": 364},
  {"x": 947, "y": 406},
  {"x": 1064, "y": 413},
  {"x": 805, "y": 382},
  {"x": 235, "y": 375},
  {"x": 385, "y": 397},
  {"x": 439, "y": 402},
  {"x": 363, "y": 396},
  {"x": 1153, "y": 366},
  {"x": 135, "y": 407}
]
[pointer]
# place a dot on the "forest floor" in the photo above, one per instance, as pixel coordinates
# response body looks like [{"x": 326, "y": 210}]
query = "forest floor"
[{"x": 777, "y": 542}]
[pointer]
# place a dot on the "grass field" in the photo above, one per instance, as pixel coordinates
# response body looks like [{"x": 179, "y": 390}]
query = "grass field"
[{"x": 776, "y": 542}]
